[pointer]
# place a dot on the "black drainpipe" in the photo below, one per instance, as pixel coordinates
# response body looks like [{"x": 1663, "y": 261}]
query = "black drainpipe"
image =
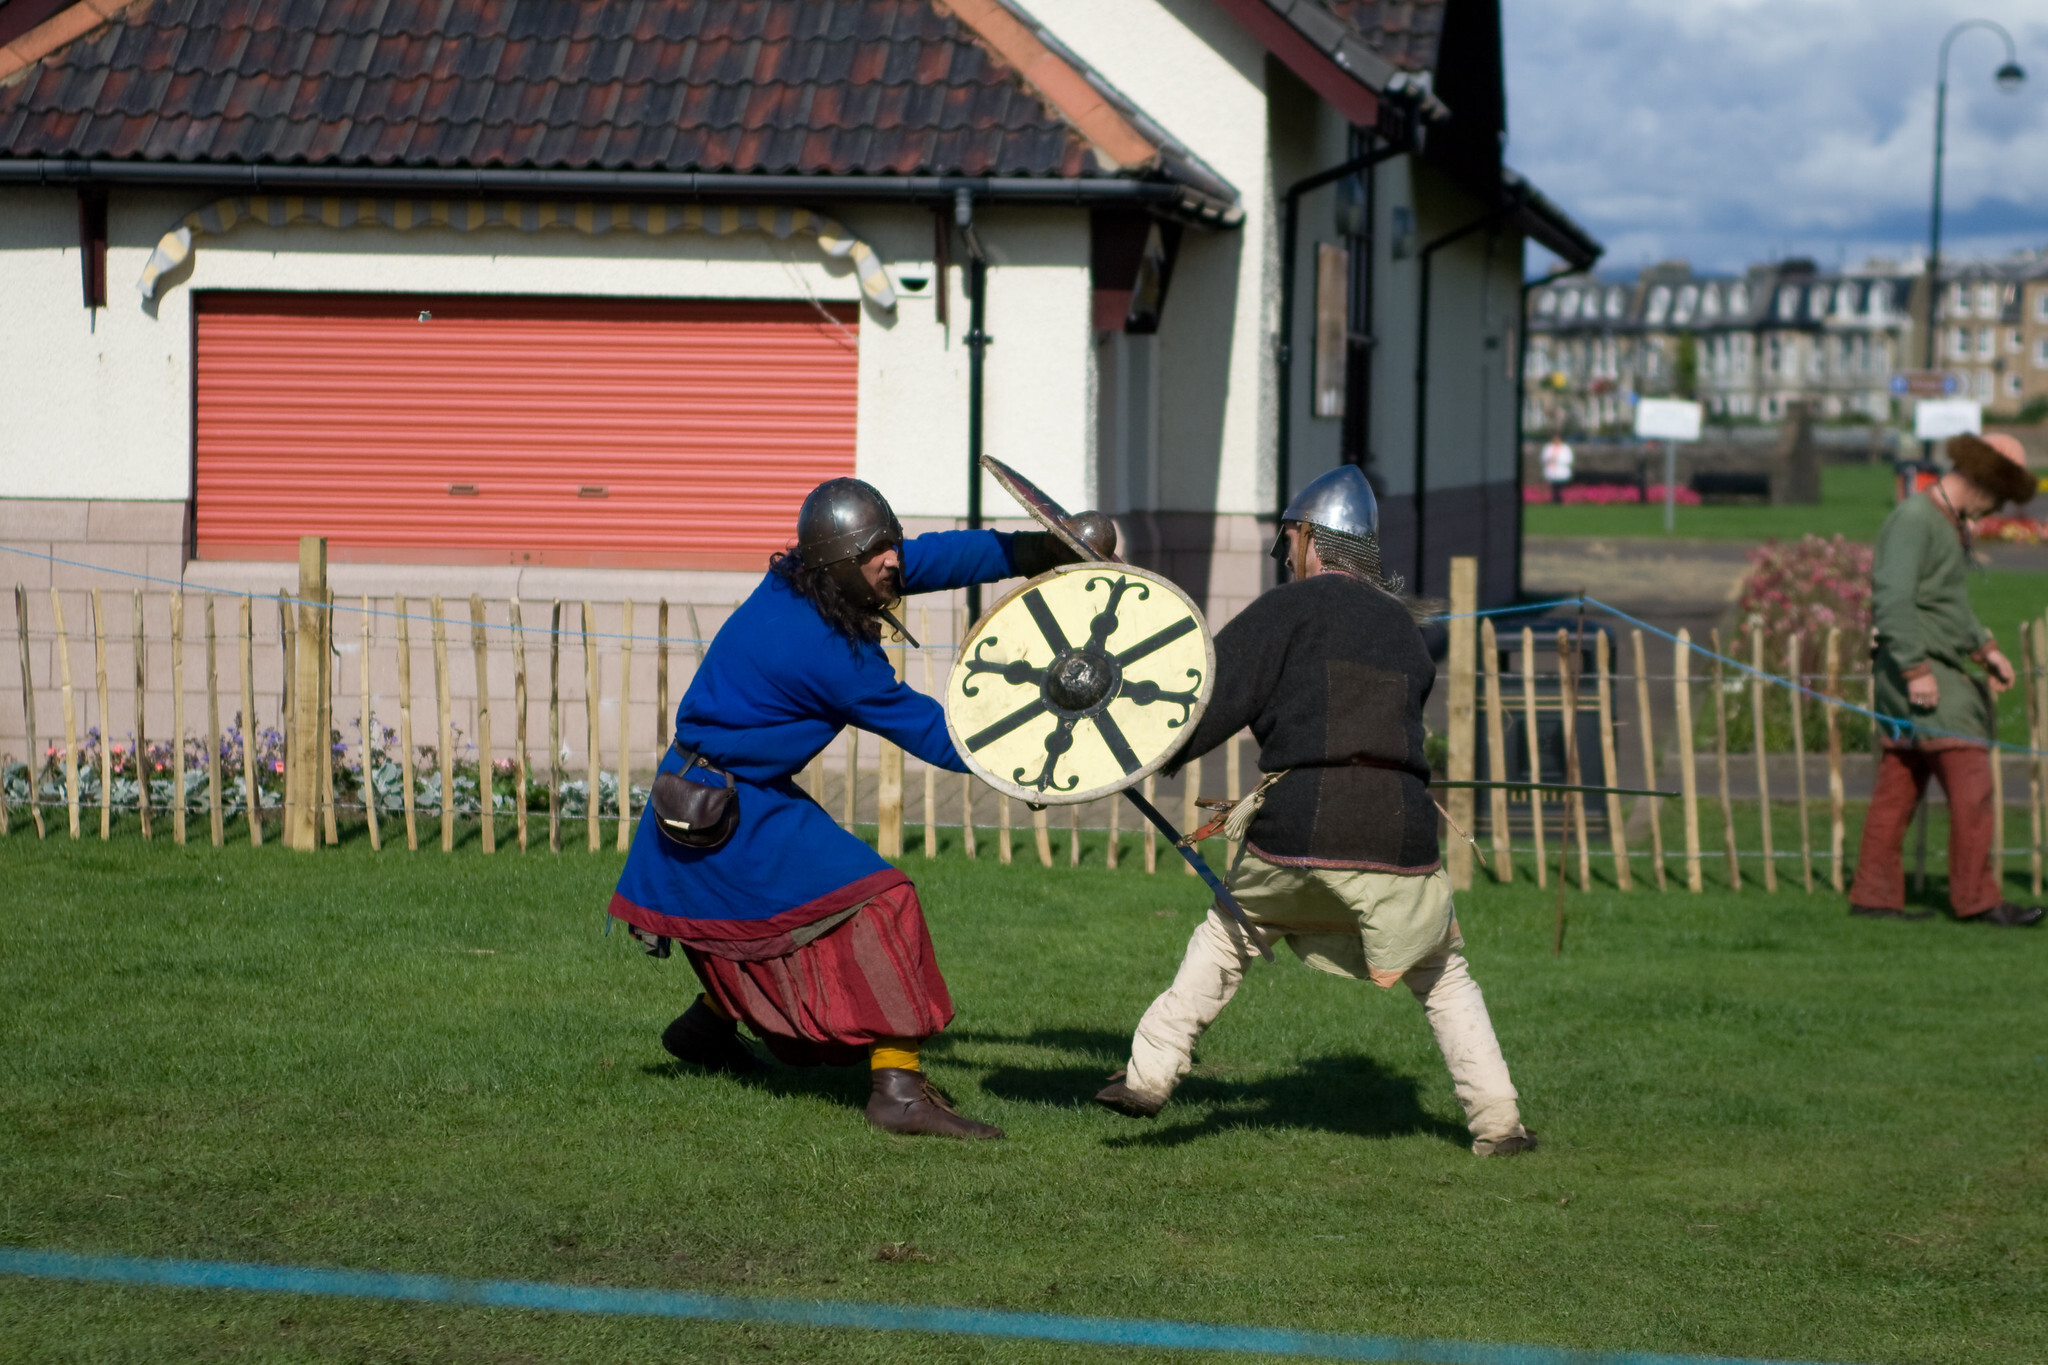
[
  {"x": 977, "y": 348},
  {"x": 1521, "y": 401},
  {"x": 1284, "y": 352},
  {"x": 1500, "y": 214}
]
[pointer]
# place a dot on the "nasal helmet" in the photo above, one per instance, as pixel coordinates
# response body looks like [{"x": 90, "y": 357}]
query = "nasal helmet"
[{"x": 843, "y": 520}]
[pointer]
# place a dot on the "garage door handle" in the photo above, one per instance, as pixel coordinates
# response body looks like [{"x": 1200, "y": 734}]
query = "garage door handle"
[
  {"x": 593, "y": 490},
  {"x": 462, "y": 490}
]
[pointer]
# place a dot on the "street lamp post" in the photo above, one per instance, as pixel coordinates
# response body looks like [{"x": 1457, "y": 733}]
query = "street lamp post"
[{"x": 2009, "y": 77}]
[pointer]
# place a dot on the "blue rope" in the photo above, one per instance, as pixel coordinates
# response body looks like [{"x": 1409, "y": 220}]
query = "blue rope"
[{"x": 881, "y": 1317}]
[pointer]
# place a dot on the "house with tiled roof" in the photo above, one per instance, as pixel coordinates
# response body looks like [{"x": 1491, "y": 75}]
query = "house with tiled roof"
[{"x": 574, "y": 299}]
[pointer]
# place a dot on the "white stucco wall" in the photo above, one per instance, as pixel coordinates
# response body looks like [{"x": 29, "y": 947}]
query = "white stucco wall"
[
  {"x": 98, "y": 403},
  {"x": 1201, "y": 77}
]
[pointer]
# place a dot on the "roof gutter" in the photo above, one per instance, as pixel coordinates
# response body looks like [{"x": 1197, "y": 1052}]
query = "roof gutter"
[{"x": 1181, "y": 200}]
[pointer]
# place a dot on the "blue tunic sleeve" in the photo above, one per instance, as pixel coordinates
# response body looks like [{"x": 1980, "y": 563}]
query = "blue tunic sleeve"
[
  {"x": 939, "y": 560},
  {"x": 912, "y": 721}
]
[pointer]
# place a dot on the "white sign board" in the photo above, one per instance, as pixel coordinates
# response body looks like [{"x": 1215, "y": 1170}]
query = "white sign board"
[
  {"x": 1667, "y": 419},
  {"x": 1937, "y": 419}
]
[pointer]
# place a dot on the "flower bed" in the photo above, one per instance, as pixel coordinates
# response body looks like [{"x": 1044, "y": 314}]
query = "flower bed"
[{"x": 1607, "y": 494}]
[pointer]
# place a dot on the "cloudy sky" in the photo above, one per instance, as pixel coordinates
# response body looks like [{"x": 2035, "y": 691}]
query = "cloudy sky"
[{"x": 1733, "y": 131}]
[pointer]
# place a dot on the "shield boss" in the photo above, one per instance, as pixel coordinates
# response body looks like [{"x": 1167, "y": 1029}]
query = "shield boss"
[{"x": 1080, "y": 683}]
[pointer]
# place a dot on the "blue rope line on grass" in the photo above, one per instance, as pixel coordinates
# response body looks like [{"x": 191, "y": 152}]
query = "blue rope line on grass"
[{"x": 666, "y": 1303}]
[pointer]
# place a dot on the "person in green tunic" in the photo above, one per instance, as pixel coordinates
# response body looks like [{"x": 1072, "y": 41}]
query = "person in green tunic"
[{"x": 1940, "y": 717}]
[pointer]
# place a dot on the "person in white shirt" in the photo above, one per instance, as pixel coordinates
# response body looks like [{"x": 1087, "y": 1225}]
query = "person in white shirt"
[{"x": 1557, "y": 467}]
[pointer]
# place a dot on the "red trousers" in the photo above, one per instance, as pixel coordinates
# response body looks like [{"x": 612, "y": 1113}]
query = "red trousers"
[
  {"x": 1902, "y": 774},
  {"x": 873, "y": 977}
]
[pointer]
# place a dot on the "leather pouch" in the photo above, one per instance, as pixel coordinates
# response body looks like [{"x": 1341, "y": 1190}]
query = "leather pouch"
[{"x": 690, "y": 814}]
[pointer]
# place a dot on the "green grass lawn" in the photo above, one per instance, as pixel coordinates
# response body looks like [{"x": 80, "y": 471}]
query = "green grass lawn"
[
  {"x": 1767, "y": 1128},
  {"x": 1854, "y": 502}
]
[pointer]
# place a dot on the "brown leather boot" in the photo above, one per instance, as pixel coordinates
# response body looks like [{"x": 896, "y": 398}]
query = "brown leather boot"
[{"x": 905, "y": 1102}]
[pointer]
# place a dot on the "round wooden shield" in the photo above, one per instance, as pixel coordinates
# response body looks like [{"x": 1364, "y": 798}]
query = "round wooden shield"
[{"x": 1080, "y": 683}]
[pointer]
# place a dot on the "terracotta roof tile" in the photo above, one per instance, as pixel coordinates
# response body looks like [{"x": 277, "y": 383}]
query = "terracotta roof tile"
[{"x": 843, "y": 87}]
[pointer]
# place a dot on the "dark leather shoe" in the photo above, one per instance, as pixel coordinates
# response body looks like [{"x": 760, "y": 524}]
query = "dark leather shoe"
[
  {"x": 703, "y": 1038},
  {"x": 1886, "y": 912},
  {"x": 905, "y": 1102},
  {"x": 2010, "y": 915},
  {"x": 1120, "y": 1097},
  {"x": 1515, "y": 1143}
]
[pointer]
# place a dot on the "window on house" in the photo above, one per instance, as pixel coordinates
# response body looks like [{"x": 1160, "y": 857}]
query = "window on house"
[
  {"x": 1987, "y": 342},
  {"x": 1788, "y": 304},
  {"x": 1568, "y": 306},
  {"x": 1710, "y": 302},
  {"x": 1688, "y": 304},
  {"x": 1957, "y": 303},
  {"x": 2012, "y": 341},
  {"x": 1546, "y": 303},
  {"x": 1617, "y": 303},
  {"x": 1817, "y": 301},
  {"x": 1987, "y": 300},
  {"x": 2041, "y": 353},
  {"x": 1738, "y": 300},
  {"x": 1959, "y": 342},
  {"x": 1984, "y": 385},
  {"x": 2012, "y": 386},
  {"x": 1660, "y": 305},
  {"x": 2041, "y": 305}
]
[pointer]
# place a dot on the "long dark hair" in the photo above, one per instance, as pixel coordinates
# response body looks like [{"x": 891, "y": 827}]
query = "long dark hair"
[{"x": 816, "y": 585}]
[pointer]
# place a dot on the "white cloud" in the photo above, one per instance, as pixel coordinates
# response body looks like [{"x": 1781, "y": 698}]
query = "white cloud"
[{"x": 1731, "y": 131}]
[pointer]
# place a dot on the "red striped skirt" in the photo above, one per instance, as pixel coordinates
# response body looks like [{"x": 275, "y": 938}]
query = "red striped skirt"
[{"x": 873, "y": 977}]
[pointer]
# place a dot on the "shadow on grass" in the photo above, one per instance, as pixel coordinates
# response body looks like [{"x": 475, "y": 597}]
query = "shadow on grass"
[{"x": 1350, "y": 1094}]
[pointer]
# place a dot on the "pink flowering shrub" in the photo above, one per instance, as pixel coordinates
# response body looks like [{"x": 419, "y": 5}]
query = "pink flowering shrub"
[
  {"x": 1608, "y": 494},
  {"x": 1807, "y": 585}
]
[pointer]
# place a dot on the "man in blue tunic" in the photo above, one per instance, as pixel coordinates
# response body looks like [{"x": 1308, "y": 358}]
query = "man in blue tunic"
[{"x": 792, "y": 924}]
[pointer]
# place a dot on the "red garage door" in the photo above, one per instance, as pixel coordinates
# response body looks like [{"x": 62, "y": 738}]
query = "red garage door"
[{"x": 417, "y": 429}]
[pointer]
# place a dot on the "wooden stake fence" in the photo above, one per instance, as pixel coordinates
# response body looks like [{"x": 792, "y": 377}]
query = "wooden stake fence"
[
  {"x": 1793, "y": 665},
  {"x": 28, "y": 714},
  {"x": 1528, "y": 661},
  {"x": 1834, "y": 725},
  {"x": 1721, "y": 763},
  {"x": 1649, "y": 744},
  {"x": 313, "y": 814},
  {"x": 479, "y": 648},
  {"x": 369, "y": 728},
  {"x": 1688, "y": 768},
  {"x": 1763, "y": 772},
  {"x": 1617, "y": 834},
  {"x": 1496, "y": 756},
  {"x": 405, "y": 749}
]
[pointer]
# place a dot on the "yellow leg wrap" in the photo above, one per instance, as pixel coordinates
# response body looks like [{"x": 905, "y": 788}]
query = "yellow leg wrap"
[
  {"x": 708, "y": 1003},
  {"x": 900, "y": 1053}
]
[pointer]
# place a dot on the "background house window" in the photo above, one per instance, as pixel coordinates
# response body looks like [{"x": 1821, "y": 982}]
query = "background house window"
[
  {"x": 1617, "y": 303},
  {"x": 1788, "y": 305},
  {"x": 1710, "y": 302},
  {"x": 2012, "y": 341},
  {"x": 1984, "y": 385},
  {"x": 1738, "y": 300},
  {"x": 1957, "y": 304},
  {"x": 1987, "y": 342},
  {"x": 1546, "y": 303},
  {"x": 1688, "y": 301},
  {"x": 1959, "y": 342},
  {"x": 1567, "y": 306},
  {"x": 2041, "y": 353},
  {"x": 2041, "y": 305},
  {"x": 2012, "y": 386},
  {"x": 1987, "y": 300},
  {"x": 1660, "y": 304}
]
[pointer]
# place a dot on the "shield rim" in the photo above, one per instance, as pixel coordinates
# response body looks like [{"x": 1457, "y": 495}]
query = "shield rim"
[
  {"x": 1043, "y": 510},
  {"x": 1031, "y": 796}
]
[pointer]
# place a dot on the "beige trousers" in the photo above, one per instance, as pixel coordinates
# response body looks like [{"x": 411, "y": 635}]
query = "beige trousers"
[{"x": 1163, "y": 1047}]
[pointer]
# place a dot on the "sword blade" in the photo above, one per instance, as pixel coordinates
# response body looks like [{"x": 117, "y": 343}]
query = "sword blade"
[{"x": 1223, "y": 896}]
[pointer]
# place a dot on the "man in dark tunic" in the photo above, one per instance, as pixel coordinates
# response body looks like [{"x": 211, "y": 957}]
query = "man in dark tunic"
[
  {"x": 792, "y": 924},
  {"x": 1341, "y": 858}
]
